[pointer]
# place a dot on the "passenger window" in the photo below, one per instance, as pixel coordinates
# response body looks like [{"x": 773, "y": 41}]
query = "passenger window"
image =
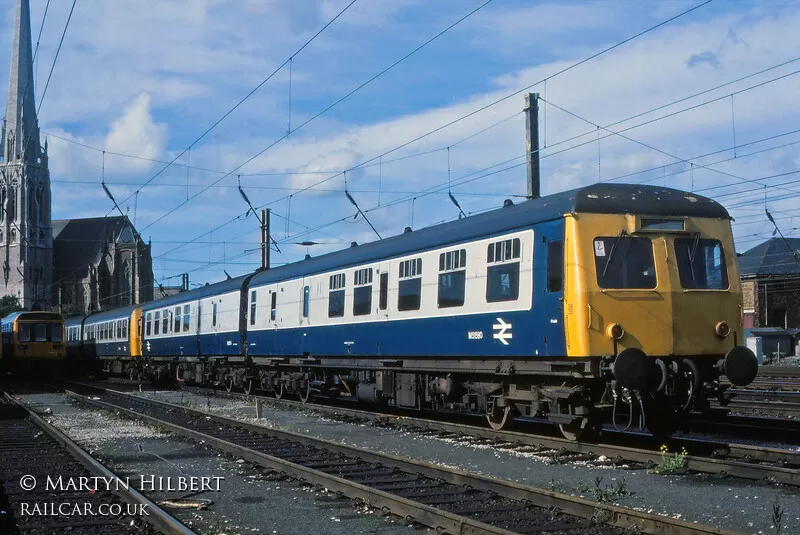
[
  {"x": 273, "y": 306},
  {"x": 452, "y": 278},
  {"x": 410, "y": 285},
  {"x": 186, "y": 317},
  {"x": 148, "y": 324},
  {"x": 252, "y": 307},
  {"x": 306, "y": 296},
  {"x": 165, "y": 323},
  {"x": 362, "y": 293},
  {"x": 176, "y": 325},
  {"x": 555, "y": 266},
  {"x": 502, "y": 274},
  {"x": 502, "y": 282},
  {"x": 336, "y": 286},
  {"x": 384, "y": 297},
  {"x": 157, "y": 324}
]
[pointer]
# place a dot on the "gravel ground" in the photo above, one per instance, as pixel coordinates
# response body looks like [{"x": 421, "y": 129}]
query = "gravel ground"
[
  {"x": 733, "y": 504},
  {"x": 251, "y": 500}
]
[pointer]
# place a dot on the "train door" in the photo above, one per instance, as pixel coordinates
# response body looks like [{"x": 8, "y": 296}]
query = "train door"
[{"x": 553, "y": 297}]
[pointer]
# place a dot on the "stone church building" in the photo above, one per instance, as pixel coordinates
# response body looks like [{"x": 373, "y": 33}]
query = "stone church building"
[
  {"x": 76, "y": 265},
  {"x": 101, "y": 263}
]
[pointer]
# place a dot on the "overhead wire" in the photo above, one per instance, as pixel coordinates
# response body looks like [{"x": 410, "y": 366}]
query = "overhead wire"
[{"x": 246, "y": 97}]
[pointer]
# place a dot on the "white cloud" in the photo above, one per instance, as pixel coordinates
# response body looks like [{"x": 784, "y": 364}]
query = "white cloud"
[{"x": 136, "y": 133}]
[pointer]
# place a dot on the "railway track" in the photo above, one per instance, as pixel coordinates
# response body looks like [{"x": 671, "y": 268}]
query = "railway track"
[
  {"x": 31, "y": 447},
  {"x": 446, "y": 499},
  {"x": 712, "y": 457}
]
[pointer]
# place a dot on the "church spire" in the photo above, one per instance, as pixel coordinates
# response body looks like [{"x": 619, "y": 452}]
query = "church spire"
[{"x": 21, "y": 125}]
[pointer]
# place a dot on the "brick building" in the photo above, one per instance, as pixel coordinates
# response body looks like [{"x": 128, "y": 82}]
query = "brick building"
[{"x": 771, "y": 284}]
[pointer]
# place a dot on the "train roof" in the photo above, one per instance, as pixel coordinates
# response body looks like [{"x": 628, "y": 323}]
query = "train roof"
[
  {"x": 229, "y": 285},
  {"x": 29, "y": 315},
  {"x": 124, "y": 312},
  {"x": 595, "y": 198}
]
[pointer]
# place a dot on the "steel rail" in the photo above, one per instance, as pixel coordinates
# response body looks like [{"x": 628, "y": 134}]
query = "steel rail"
[
  {"x": 158, "y": 518},
  {"x": 431, "y": 516},
  {"x": 724, "y": 462}
]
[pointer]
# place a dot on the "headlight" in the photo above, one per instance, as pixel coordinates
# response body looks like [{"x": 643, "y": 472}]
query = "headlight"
[{"x": 722, "y": 329}]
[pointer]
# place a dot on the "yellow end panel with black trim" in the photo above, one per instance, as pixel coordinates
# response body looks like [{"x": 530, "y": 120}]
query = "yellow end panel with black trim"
[
  {"x": 642, "y": 300},
  {"x": 135, "y": 332}
]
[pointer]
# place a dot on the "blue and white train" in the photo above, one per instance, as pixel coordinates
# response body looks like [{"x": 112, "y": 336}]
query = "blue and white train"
[{"x": 608, "y": 299}]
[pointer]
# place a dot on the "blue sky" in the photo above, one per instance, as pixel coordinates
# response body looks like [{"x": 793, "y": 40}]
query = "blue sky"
[{"x": 146, "y": 78}]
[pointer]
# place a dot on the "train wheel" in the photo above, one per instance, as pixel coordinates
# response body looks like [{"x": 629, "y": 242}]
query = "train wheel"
[
  {"x": 248, "y": 386},
  {"x": 580, "y": 429},
  {"x": 279, "y": 391},
  {"x": 229, "y": 384},
  {"x": 498, "y": 418}
]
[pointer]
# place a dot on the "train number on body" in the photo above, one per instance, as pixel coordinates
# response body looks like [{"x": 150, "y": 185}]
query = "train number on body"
[{"x": 475, "y": 335}]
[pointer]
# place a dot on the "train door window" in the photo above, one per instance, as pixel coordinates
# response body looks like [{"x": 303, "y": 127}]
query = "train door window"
[
  {"x": 384, "y": 292},
  {"x": 502, "y": 274},
  {"x": 213, "y": 314},
  {"x": 148, "y": 324},
  {"x": 165, "y": 323},
  {"x": 157, "y": 322},
  {"x": 177, "y": 320},
  {"x": 187, "y": 314},
  {"x": 362, "y": 292},
  {"x": 24, "y": 332},
  {"x": 273, "y": 306},
  {"x": 452, "y": 278},
  {"x": 410, "y": 285},
  {"x": 306, "y": 298},
  {"x": 252, "y": 307},
  {"x": 555, "y": 266},
  {"x": 336, "y": 285},
  {"x": 55, "y": 332},
  {"x": 119, "y": 329}
]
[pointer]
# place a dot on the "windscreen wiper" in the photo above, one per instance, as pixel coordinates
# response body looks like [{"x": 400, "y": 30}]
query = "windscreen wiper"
[
  {"x": 693, "y": 253},
  {"x": 613, "y": 250}
]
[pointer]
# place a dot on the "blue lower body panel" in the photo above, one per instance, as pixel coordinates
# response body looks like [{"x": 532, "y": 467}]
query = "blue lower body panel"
[{"x": 506, "y": 334}]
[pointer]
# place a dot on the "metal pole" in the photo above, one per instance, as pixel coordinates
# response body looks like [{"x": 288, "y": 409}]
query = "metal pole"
[
  {"x": 265, "y": 217},
  {"x": 532, "y": 143}
]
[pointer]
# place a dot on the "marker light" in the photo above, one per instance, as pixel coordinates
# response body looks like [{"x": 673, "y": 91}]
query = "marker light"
[
  {"x": 722, "y": 329},
  {"x": 615, "y": 331}
]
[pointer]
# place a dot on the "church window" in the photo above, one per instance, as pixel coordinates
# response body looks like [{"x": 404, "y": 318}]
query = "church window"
[
  {"x": 176, "y": 326},
  {"x": 157, "y": 325},
  {"x": 39, "y": 199},
  {"x": 3, "y": 198},
  {"x": 12, "y": 204},
  {"x": 148, "y": 324},
  {"x": 186, "y": 317}
]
